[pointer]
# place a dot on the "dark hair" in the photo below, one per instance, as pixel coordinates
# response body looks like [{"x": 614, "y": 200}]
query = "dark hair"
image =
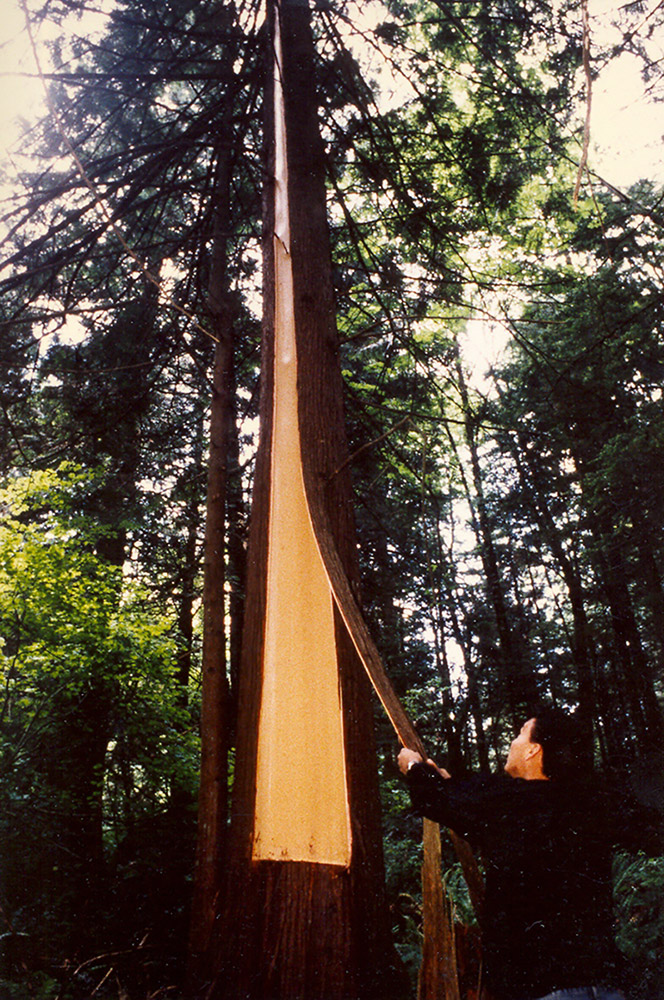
[{"x": 560, "y": 736}]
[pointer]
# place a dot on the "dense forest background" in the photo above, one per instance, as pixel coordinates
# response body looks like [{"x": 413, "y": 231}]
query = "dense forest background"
[{"x": 510, "y": 521}]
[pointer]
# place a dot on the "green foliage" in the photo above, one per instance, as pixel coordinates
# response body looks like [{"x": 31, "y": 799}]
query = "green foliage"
[
  {"x": 639, "y": 908},
  {"x": 39, "y": 987},
  {"x": 96, "y": 737},
  {"x": 71, "y": 622}
]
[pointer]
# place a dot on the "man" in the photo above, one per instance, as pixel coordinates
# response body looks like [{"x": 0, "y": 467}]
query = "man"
[{"x": 545, "y": 831}]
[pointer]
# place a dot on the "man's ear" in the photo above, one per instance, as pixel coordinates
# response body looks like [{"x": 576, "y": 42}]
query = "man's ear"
[{"x": 532, "y": 750}]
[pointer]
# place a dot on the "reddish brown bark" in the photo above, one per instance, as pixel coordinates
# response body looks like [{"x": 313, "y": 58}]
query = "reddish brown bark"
[
  {"x": 298, "y": 929},
  {"x": 438, "y": 973},
  {"x": 215, "y": 722}
]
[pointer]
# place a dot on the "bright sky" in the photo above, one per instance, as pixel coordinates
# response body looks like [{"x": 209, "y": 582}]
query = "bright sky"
[
  {"x": 627, "y": 126},
  {"x": 17, "y": 97}
]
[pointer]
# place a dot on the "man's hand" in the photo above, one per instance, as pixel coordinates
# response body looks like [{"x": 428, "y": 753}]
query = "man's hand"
[
  {"x": 441, "y": 770},
  {"x": 406, "y": 758}
]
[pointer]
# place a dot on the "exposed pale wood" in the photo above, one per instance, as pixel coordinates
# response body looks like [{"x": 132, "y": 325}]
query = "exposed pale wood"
[{"x": 301, "y": 810}]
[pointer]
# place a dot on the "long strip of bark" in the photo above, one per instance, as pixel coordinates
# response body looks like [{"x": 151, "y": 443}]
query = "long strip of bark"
[{"x": 373, "y": 664}]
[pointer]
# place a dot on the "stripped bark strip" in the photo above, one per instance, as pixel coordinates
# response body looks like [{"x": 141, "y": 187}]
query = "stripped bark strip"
[
  {"x": 372, "y": 661},
  {"x": 589, "y": 99},
  {"x": 438, "y": 976}
]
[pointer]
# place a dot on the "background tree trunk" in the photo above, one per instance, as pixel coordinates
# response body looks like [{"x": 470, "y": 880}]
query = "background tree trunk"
[
  {"x": 215, "y": 708},
  {"x": 521, "y": 686}
]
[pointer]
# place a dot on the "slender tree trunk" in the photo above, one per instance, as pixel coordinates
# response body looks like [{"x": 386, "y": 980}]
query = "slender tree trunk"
[
  {"x": 237, "y": 556},
  {"x": 74, "y": 751},
  {"x": 450, "y": 728},
  {"x": 581, "y": 639},
  {"x": 190, "y": 570},
  {"x": 644, "y": 539},
  {"x": 73, "y": 759},
  {"x": 613, "y": 564},
  {"x": 519, "y": 678},
  {"x": 631, "y": 658},
  {"x": 391, "y": 623},
  {"x": 213, "y": 793},
  {"x": 463, "y": 640}
]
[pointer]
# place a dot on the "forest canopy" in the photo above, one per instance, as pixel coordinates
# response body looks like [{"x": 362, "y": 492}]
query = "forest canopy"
[{"x": 509, "y": 516}]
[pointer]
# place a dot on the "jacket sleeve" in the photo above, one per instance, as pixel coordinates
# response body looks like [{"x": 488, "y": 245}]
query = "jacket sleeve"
[{"x": 460, "y": 805}]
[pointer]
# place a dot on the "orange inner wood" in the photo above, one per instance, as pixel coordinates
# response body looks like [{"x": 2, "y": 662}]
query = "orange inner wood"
[{"x": 301, "y": 811}]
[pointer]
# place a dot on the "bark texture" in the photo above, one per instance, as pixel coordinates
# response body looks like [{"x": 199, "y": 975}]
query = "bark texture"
[
  {"x": 298, "y": 929},
  {"x": 215, "y": 705}
]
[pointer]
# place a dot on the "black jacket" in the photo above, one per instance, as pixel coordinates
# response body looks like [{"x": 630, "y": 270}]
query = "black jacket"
[{"x": 546, "y": 848}]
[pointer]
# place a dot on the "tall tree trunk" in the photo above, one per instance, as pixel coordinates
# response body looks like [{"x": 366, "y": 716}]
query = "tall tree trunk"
[
  {"x": 645, "y": 538},
  {"x": 521, "y": 687},
  {"x": 190, "y": 569},
  {"x": 463, "y": 639},
  {"x": 449, "y": 725},
  {"x": 73, "y": 758},
  {"x": 526, "y": 461},
  {"x": 613, "y": 564},
  {"x": 631, "y": 659},
  {"x": 300, "y": 929},
  {"x": 237, "y": 556},
  {"x": 213, "y": 793},
  {"x": 73, "y": 753}
]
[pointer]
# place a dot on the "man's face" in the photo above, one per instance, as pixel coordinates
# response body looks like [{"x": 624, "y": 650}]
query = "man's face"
[{"x": 521, "y": 751}]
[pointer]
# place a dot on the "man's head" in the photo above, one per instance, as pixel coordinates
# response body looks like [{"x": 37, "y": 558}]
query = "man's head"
[
  {"x": 561, "y": 738},
  {"x": 546, "y": 747},
  {"x": 525, "y": 757}
]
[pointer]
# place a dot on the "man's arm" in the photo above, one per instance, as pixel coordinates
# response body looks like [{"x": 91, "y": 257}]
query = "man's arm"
[{"x": 459, "y": 805}]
